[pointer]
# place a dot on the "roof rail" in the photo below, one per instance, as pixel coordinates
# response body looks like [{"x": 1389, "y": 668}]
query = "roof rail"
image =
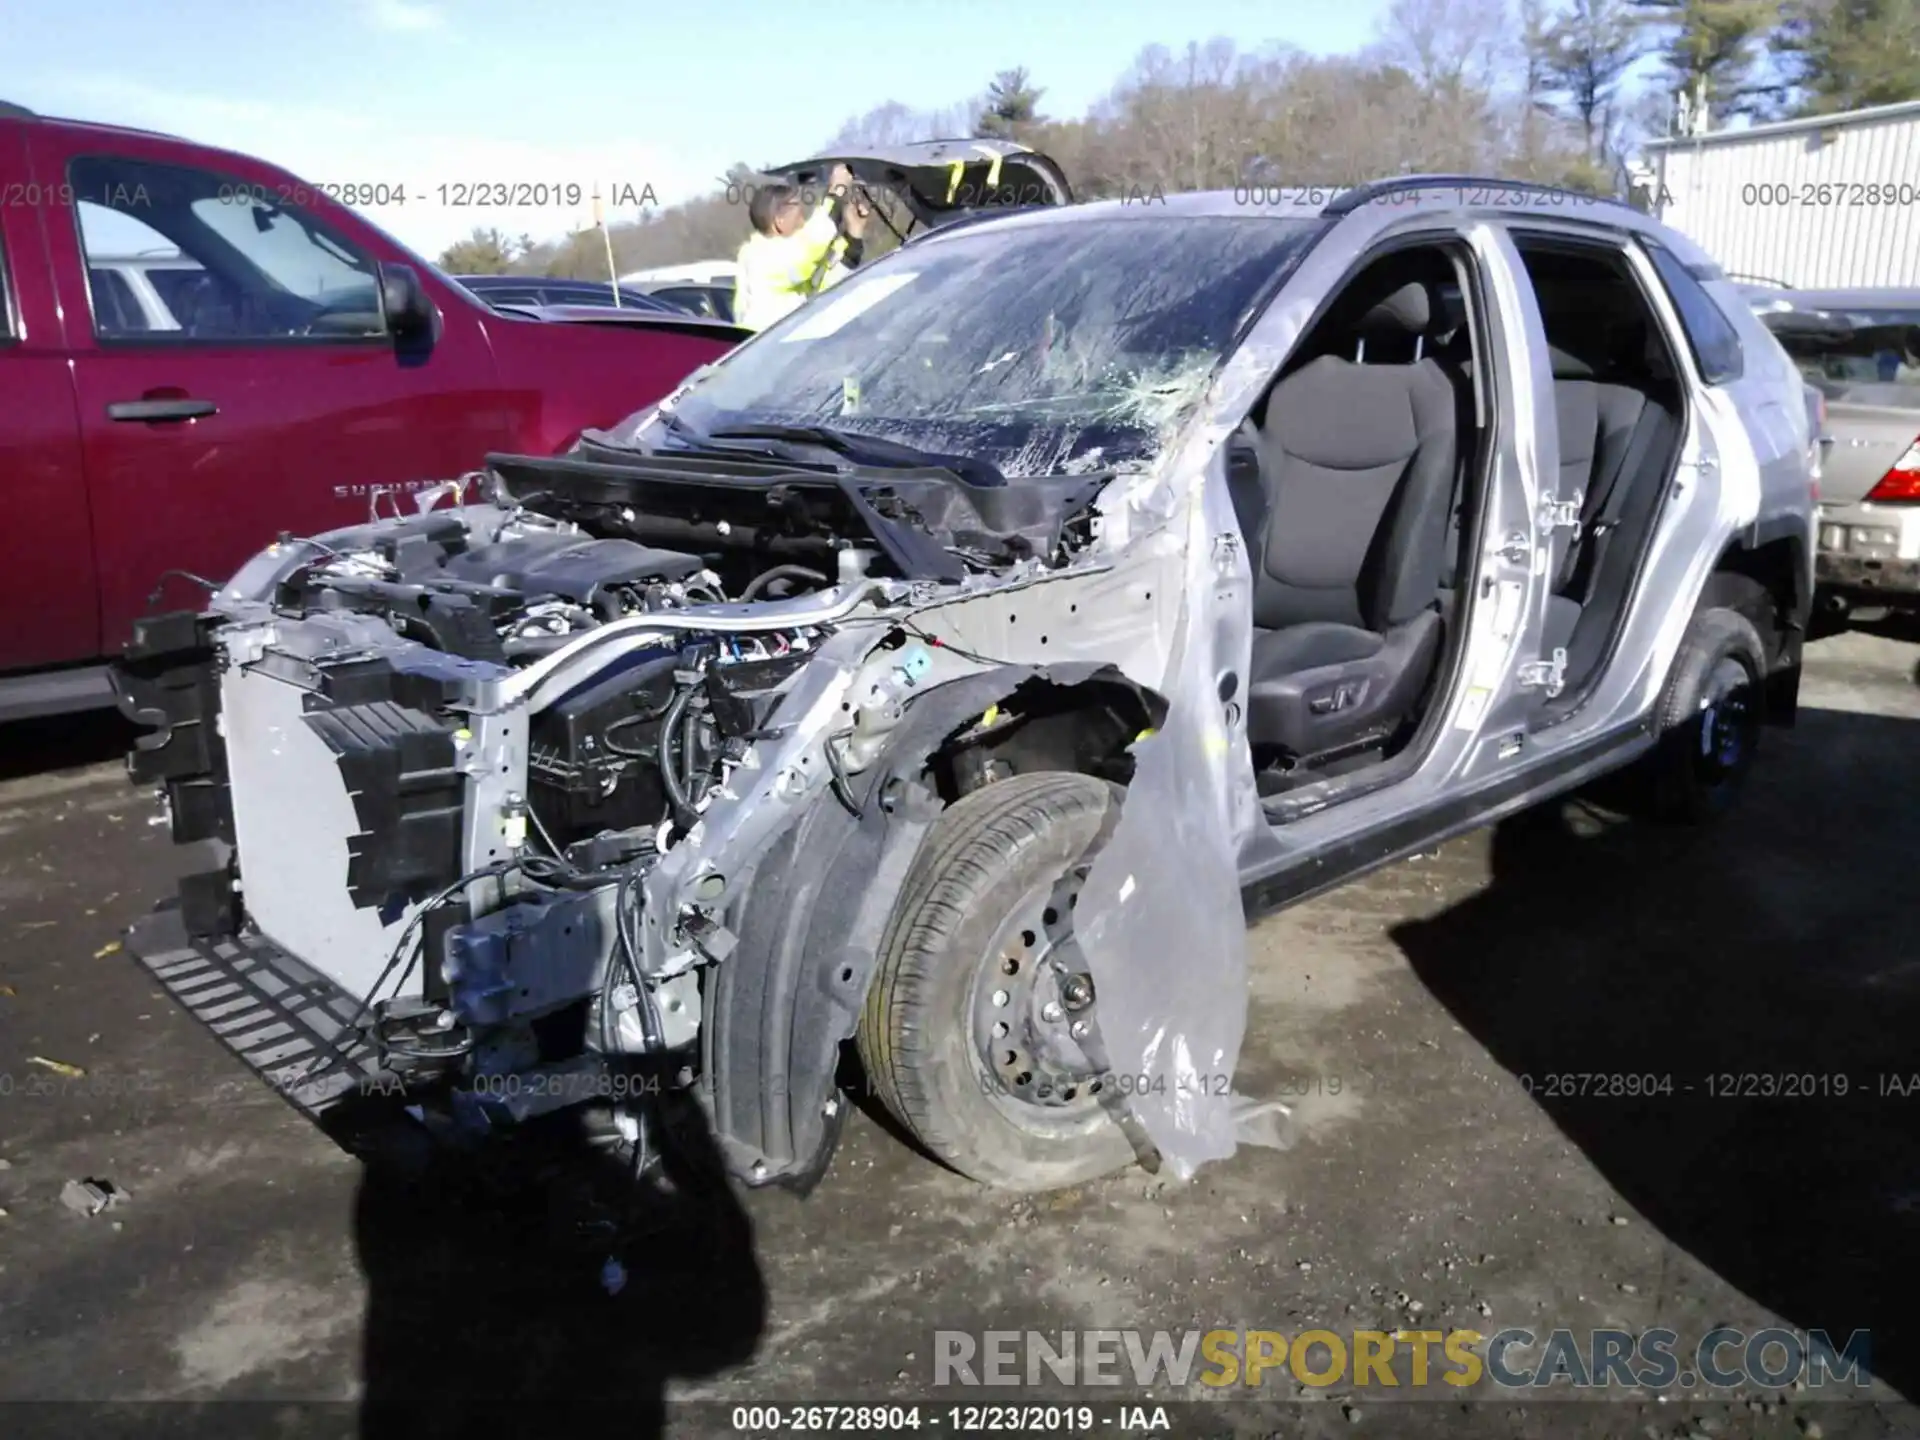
[
  {"x": 1348, "y": 201},
  {"x": 11, "y": 111}
]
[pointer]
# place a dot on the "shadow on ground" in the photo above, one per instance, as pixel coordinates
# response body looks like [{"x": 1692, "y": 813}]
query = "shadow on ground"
[
  {"x": 63, "y": 742},
  {"x": 1780, "y": 944},
  {"x": 488, "y": 1307}
]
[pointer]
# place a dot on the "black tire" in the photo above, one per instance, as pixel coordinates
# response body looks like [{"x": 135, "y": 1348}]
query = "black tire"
[
  {"x": 975, "y": 874},
  {"x": 1709, "y": 719}
]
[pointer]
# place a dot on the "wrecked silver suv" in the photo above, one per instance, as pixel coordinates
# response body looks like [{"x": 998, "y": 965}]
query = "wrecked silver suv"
[{"x": 952, "y": 668}]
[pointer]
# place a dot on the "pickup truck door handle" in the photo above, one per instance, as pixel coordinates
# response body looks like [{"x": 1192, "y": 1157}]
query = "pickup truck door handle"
[{"x": 161, "y": 409}]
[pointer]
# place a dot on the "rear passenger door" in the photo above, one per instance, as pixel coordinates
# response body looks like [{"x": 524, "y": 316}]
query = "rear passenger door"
[{"x": 1624, "y": 509}]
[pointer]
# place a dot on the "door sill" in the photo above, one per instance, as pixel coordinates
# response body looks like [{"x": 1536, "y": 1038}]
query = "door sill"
[{"x": 1301, "y": 876}]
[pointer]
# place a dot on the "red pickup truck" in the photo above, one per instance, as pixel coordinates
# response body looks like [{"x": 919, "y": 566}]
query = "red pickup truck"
[{"x": 199, "y": 351}]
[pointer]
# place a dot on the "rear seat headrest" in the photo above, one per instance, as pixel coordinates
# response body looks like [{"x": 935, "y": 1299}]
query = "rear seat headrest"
[{"x": 1407, "y": 311}]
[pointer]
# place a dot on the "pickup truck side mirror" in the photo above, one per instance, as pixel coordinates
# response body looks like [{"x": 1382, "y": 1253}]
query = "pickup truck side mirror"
[{"x": 407, "y": 308}]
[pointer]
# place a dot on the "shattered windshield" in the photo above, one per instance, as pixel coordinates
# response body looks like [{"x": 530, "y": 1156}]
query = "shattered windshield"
[{"x": 1046, "y": 349}]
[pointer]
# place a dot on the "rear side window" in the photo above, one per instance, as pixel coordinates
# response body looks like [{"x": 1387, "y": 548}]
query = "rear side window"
[{"x": 1710, "y": 334}]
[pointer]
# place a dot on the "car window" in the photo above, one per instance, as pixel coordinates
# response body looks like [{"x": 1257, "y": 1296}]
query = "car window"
[
  {"x": 635, "y": 300},
  {"x": 697, "y": 298},
  {"x": 267, "y": 271},
  {"x": 116, "y": 309},
  {"x": 1710, "y": 334},
  {"x": 175, "y": 284},
  {"x": 590, "y": 293},
  {"x": 1040, "y": 350},
  {"x": 1859, "y": 358}
]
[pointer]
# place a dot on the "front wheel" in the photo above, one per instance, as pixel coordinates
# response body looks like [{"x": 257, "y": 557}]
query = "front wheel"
[
  {"x": 1709, "y": 719},
  {"x": 970, "y": 1035}
]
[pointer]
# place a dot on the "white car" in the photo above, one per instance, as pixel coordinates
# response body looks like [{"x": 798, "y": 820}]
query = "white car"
[{"x": 134, "y": 294}]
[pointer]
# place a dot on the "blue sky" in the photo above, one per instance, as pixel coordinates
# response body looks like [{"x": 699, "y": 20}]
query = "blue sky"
[{"x": 438, "y": 92}]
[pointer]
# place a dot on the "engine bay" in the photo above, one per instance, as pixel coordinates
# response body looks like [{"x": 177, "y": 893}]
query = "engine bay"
[
  {"x": 576, "y": 544},
  {"x": 507, "y": 719}
]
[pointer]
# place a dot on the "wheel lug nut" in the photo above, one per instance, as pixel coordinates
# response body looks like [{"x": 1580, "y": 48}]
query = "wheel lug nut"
[{"x": 1051, "y": 1011}]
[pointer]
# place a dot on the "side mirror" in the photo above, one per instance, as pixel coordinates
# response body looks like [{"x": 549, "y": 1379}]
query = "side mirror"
[{"x": 405, "y": 305}]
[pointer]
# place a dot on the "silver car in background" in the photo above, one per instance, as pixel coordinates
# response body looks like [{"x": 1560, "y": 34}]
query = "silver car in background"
[{"x": 1861, "y": 349}]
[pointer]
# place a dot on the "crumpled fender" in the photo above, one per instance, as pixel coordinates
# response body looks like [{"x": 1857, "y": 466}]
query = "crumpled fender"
[{"x": 810, "y": 920}]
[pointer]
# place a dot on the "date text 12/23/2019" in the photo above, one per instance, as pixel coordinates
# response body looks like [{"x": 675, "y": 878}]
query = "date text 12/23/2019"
[
  {"x": 895, "y": 1419},
  {"x": 452, "y": 194},
  {"x": 1722, "y": 1085}
]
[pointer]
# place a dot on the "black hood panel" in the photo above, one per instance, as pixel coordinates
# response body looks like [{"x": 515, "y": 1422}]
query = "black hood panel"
[{"x": 940, "y": 180}]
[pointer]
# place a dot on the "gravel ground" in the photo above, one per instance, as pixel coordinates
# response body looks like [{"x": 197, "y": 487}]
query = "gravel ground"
[{"x": 1441, "y": 1176}]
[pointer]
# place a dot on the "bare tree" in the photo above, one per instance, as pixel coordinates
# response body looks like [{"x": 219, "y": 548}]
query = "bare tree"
[
  {"x": 484, "y": 252},
  {"x": 1534, "y": 105},
  {"x": 1537, "y": 89},
  {"x": 1182, "y": 118},
  {"x": 1589, "y": 51},
  {"x": 1446, "y": 44},
  {"x": 896, "y": 124}
]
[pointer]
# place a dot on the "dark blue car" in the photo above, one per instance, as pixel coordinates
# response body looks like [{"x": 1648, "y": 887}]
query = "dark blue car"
[{"x": 541, "y": 290}]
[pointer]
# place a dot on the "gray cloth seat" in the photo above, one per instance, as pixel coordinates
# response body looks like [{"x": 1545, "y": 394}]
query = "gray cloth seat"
[
  {"x": 1614, "y": 441},
  {"x": 1358, "y": 460}
]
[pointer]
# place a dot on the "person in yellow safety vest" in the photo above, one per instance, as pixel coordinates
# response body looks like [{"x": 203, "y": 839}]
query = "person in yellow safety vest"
[
  {"x": 853, "y": 224},
  {"x": 791, "y": 254}
]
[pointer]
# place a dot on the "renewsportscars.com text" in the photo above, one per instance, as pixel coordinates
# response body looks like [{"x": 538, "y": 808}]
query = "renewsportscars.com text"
[{"x": 1513, "y": 1358}]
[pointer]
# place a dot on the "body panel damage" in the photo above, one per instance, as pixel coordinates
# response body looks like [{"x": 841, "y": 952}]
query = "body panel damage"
[{"x": 612, "y": 774}]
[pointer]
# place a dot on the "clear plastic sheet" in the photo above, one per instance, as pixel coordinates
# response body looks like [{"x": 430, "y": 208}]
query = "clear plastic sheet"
[{"x": 1160, "y": 919}]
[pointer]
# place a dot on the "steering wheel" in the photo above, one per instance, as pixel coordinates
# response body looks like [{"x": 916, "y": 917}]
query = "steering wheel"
[{"x": 344, "y": 318}]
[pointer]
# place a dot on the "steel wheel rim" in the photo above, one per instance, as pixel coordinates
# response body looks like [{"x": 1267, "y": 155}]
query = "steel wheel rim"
[
  {"x": 1022, "y": 1017},
  {"x": 1726, "y": 721}
]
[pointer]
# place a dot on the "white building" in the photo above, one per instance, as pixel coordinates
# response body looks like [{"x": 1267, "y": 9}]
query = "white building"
[{"x": 1821, "y": 202}]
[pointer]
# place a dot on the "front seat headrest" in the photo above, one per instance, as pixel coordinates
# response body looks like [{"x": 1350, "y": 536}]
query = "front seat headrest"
[{"x": 1407, "y": 311}]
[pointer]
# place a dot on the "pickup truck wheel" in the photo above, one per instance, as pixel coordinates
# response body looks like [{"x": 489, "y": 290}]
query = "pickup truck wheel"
[
  {"x": 968, "y": 1035},
  {"x": 1709, "y": 719}
]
